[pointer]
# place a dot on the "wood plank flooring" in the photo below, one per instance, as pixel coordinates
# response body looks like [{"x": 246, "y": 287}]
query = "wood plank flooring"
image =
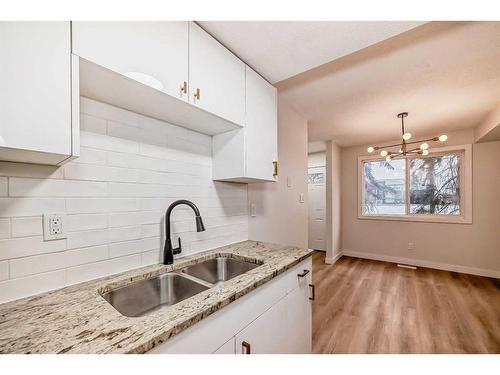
[{"x": 365, "y": 306}]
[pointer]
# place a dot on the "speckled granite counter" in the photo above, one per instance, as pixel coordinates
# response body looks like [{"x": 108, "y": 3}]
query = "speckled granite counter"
[{"x": 77, "y": 319}]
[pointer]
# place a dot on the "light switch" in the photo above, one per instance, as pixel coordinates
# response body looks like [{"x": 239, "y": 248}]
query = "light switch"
[
  {"x": 288, "y": 181},
  {"x": 253, "y": 211},
  {"x": 301, "y": 197}
]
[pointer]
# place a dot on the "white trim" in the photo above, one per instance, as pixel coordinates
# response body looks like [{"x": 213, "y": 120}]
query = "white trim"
[
  {"x": 332, "y": 260},
  {"x": 466, "y": 191},
  {"x": 424, "y": 263}
]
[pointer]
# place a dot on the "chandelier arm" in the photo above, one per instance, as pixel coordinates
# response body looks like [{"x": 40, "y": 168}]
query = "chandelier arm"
[
  {"x": 433, "y": 139},
  {"x": 387, "y": 146}
]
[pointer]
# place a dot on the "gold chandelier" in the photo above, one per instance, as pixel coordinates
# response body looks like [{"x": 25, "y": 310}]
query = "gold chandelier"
[{"x": 405, "y": 146}]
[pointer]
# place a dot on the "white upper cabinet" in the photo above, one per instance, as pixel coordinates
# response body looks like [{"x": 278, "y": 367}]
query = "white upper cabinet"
[
  {"x": 37, "y": 89},
  {"x": 216, "y": 77},
  {"x": 249, "y": 154},
  {"x": 153, "y": 53},
  {"x": 262, "y": 127}
]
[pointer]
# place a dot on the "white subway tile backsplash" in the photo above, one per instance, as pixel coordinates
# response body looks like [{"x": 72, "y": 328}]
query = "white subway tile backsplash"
[
  {"x": 120, "y": 249},
  {"x": 4, "y": 270},
  {"x": 91, "y": 156},
  {"x": 17, "y": 288},
  {"x": 91, "y": 271},
  {"x": 115, "y": 196},
  {"x": 87, "y": 238},
  {"x": 30, "y": 206},
  {"x": 92, "y": 124},
  {"x": 26, "y": 246},
  {"x": 124, "y": 234},
  {"x": 86, "y": 222},
  {"x": 29, "y": 170},
  {"x": 54, "y": 261},
  {"x": 27, "y": 226},
  {"x": 32, "y": 187},
  {"x": 4, "y": 228},
  {"x": 4, "y": 188}
]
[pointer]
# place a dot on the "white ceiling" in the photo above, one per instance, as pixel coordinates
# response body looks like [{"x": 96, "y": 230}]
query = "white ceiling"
[
  {"x": 445, "y": 74},
  {"x": 281, "y": 49}
]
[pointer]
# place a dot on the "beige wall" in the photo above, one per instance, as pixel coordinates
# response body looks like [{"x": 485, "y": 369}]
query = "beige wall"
[
  {"x": 464, "y": 247},
  {"x": 333, "y": 202},
  {"x": 280, "y": 217}
]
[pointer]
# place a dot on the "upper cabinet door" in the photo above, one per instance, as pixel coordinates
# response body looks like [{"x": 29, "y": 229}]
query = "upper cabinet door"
[
  {"x": 35, "y": 93},
  {"x": 261, "y": 127},
  {"x": 216, "y": 77},
  {"x": 153, "y": 53}
]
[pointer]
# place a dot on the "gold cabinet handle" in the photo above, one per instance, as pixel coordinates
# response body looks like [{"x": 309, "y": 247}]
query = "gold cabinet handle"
[
  {"x": 184, "y": 88},
  {"x": 313, "y": 291},
  {"x": 246, "y": 347},
  {"x": 304, "y": 273},
  {"x": 197, "y": 94},
  {"x": 275, "y": 168}
]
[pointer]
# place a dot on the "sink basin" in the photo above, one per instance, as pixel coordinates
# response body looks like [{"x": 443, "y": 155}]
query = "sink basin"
[
  {"x": 146, "y": 296},
  {"x": 219, "y": 269}
]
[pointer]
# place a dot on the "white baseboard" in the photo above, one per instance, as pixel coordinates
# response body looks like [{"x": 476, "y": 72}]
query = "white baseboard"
[
  {"x": 333, "y": 259},
  {"x": 424, "y": 263}
]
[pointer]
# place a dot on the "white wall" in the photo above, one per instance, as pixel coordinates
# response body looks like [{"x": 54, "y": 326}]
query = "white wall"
[
  {"x": 471, "y": 248},
  {"x": 131, "y": 168},
  {"x": 333, "y": 202},
  {"x": 280, "y": 217}
]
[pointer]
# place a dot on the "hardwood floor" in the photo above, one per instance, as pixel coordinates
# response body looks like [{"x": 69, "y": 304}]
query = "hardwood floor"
[{"x": 365, "y": 306}]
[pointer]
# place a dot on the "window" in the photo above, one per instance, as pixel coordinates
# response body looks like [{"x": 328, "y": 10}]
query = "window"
[
  {"x": 437, "y": 187},
  {"x": 315, "y": 178}
]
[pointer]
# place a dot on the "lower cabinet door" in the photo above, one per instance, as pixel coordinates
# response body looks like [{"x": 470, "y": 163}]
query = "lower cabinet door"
[
  {"x": 227, "y": 348},
  {"x": 267, "y": 334},
  {"x": 299, "y": 320}
]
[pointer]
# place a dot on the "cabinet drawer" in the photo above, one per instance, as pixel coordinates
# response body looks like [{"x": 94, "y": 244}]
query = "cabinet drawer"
[{"x": 294, "y": 280}]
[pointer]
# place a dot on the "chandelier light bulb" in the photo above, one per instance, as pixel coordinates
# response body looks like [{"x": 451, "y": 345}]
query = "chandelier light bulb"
[
  {"x": 424, "y": 146},
  {"x": 407, "y": 136},
  {"x": 370, "y": 149},
  {"x": 400, "y": 151},
  {"x": 383, "y": 153},
  {"x": 388, "y": 158},
  {"x": 425, "y": 152},
  {"x": 443, "y": 138}
]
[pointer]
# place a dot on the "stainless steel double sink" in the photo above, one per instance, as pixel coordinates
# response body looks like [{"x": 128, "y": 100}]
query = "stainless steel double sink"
[{"x": 146, "y": 296}]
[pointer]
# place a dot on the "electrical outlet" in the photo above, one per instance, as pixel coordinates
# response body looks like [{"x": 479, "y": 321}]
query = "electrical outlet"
[
  {"x": 54, "y": 227},
  {"x": 411, "y": 246}
]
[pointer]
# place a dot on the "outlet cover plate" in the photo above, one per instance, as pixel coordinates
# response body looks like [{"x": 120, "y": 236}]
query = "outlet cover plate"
[{"x": 54, "y": 226}]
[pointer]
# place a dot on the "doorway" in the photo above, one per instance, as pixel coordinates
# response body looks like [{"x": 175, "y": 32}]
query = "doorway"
[{"x": 316, "y": 182}]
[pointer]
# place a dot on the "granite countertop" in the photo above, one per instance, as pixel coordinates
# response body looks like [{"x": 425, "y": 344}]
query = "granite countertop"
[{"x": 76, "y": 319}]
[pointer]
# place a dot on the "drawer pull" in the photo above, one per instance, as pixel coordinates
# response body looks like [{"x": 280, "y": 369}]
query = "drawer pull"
[
  {"x": 184, "y": 88},
  {"x": 313, "y": 290},
  {"x": 246, "y": 347},
  {"x": 275, "y": 168},
  {"x": 305, "y": 272},
  {"x": 197, "y": 94}
]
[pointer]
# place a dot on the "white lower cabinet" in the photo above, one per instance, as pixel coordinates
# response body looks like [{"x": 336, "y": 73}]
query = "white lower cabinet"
[
  {"x": 227, "y": 348},
  {"x": 274, "y": 318}
]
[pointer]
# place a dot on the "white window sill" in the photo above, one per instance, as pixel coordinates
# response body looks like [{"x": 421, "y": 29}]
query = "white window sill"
[{"x": 419, "y": 218}]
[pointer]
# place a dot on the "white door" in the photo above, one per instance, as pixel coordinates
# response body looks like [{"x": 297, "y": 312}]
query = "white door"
[
  {"x": 153, "y": 53},
  {"x": 35, "y": 86},
  {"x": 267, "y": 334},
  {"x": 317, "y": 208},
  {"x": 217, "y": 76},
  {"x": 299, "y": 319},
  {"x": 261, "y": 127}
]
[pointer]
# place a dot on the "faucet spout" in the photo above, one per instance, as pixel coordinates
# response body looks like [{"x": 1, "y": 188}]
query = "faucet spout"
[{"x": 169, "y": 251}]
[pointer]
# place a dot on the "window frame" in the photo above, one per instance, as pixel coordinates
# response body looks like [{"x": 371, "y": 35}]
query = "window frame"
[{"x": 465, "y": 216}]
